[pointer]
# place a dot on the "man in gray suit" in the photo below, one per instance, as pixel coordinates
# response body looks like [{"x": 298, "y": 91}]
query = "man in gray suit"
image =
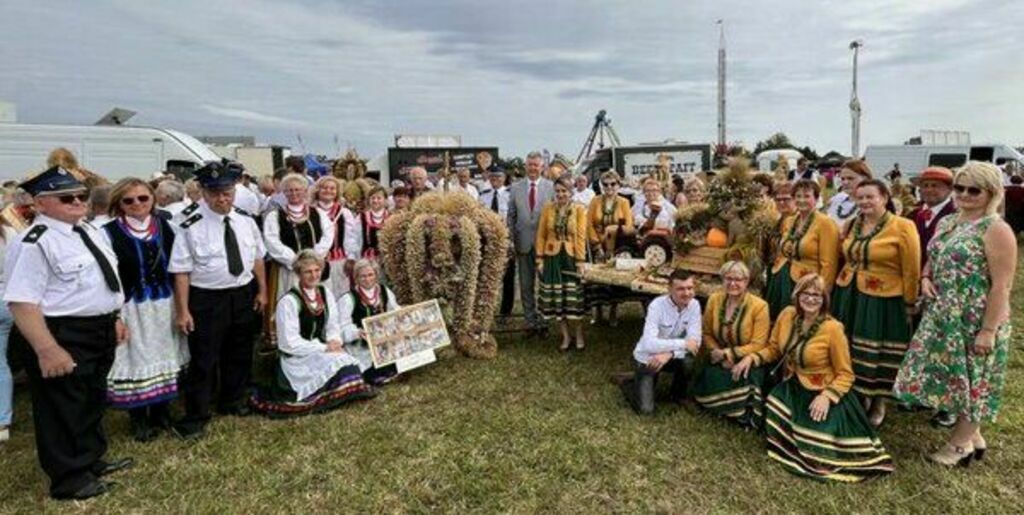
[{"x": 527, "y": 198}]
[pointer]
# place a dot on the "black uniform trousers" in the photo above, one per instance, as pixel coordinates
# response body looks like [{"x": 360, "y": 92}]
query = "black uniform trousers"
[
  {"x": 221, "y": 348},
  {"x": 640, "y": 390},
  {"x": 68, "y": 411},
  {"x": 508, "y": 288}
]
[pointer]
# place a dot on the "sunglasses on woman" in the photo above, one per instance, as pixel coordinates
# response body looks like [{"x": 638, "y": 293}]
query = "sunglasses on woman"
[
  {"x": 142, "y": 199},
  {"x": 972, "y": 191},
  {"x": 70, "y": 199},
  {"x": 609, "y": 184}
]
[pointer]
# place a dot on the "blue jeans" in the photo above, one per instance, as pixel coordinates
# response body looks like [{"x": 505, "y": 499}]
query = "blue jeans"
[{"x": 6, "y": 383}]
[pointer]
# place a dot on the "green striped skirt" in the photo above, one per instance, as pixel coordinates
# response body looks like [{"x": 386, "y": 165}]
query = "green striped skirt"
[
  {"x": 780, "y": 291},
  {"x": 561, "y": 295},
  {"x": 879, "y": 334},
  {"x": 843, "y": 447},
  {"x": 740, "y": 401}
]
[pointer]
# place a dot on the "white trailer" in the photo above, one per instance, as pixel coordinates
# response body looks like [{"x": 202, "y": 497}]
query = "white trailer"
[
  {"x": 258, "y": 160},
  {"x": 113, "y": 152},
  {"x": 913, "y": 159},
  {"x": 768, "y": 160}
]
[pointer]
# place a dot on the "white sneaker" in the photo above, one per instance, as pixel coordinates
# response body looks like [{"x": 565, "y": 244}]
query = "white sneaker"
[{"x": 5, "y": 434}]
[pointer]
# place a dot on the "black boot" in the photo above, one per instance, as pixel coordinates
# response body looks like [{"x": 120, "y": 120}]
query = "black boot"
[
  {"x": 140, "y": 425},
  {"x": 160, "y": 416}
]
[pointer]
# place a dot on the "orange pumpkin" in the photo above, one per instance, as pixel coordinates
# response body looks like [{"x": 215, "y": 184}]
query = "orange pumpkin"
[{"x": 717, "y": 238}]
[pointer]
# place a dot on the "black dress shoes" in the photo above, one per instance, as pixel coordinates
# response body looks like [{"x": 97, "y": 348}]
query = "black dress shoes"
[
  {"x": 93, "y": 489},
  {"x": 105, "y": 468}
]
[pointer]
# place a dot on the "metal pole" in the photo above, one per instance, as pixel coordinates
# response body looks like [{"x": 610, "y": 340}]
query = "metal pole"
[{"x": 855, "y": 108}]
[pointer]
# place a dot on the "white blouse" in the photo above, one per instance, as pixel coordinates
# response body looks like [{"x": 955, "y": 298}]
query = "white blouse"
[
  {"x": 349, "y": 330},
  {"x": 280, "y": 252},
  {"x": 666, "y": 218},
  {"x": 306, "y": 363},
  {"x": 353, "y": 244}
]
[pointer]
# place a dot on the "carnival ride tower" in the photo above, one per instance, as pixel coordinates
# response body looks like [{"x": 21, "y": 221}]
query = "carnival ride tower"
[
  {"x": 721, "y": 83},
  {"x": 600, "y": 132}
]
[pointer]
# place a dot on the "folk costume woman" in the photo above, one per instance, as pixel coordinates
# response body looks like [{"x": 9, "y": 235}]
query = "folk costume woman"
[
  {"x": 609, "y": 217},
  {"x": 609, "y": 220},
  {"x": 288, "y": 230},
  {"x": 314, "y": 373},
  {"x": 809, "y": 243},
  {"x": 367, "y": 298},
  {"x": 561, "y": 247},
  {"x": 373, "y": 220},
  {"x": 876, "y": 292},
  {"x": 346, "y": 244},
  {"x": 735, "y": 325},
  {"x": 842, "y": 207},
  {"x": 784, "y": 206},
  {"x": 654, "y": 212},
  {"x": 815, "y": 426},
  {"x": 144, "y": 377},
  {"x": 957, "y": 360}
]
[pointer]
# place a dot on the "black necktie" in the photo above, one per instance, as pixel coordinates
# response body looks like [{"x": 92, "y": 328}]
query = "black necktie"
[
  {"x": 494, "y": 201},
  {"x": 109, "y": 276},
  {"x": 231, "y": 244}
]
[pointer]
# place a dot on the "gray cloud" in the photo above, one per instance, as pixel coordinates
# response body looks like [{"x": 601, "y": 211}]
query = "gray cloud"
[{"x": 520, "y": 75}]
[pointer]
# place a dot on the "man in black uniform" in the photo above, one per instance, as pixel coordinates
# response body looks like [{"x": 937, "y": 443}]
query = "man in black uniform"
[
  {"x": 64, "y": 293},
  {"x": 219, "y": 286}
]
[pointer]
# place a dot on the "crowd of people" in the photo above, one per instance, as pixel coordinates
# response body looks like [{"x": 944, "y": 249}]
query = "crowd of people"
[
  {"x": 854, "y": 318},
  {"x": 134, "y": 294}
]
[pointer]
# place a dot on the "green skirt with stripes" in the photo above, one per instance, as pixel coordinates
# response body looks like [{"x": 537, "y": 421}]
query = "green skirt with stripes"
[
  {"x": 740, "y": 401},
  {"x": 843, "y": 447},
  {"x": 780, "y": 291},
  {"x": 561, "y": 294},
  {"x": 879, "y": 335}
]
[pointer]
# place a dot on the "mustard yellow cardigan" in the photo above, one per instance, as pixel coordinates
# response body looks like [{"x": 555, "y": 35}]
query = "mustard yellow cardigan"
[
  {"x": 550, "y": 243},
  {"x": 893, "y": 267},
  {"x": 822, "y": 364},
  {"x": 595, "y": 215},
  {"x": 749, "y": 332},
  {"x": 817, "y": 251}
]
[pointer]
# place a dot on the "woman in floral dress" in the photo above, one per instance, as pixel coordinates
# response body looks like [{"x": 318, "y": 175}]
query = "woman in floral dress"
[{"x": 957, "y": 358}]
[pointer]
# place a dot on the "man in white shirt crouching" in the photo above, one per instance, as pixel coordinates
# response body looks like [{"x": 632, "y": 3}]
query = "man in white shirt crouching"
[{"x": 671, "y": 339}]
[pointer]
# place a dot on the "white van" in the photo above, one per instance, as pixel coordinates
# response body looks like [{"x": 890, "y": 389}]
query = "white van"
[
  {"x": 113, "y": 152},
  {"x": 913, "y": 159}
]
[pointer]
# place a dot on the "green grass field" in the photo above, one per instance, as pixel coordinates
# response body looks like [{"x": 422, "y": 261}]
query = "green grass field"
[{"x": 535, "y": 430}]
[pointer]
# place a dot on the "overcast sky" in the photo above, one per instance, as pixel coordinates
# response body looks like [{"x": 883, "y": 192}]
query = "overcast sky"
[{"x": 518, "y": 74}]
